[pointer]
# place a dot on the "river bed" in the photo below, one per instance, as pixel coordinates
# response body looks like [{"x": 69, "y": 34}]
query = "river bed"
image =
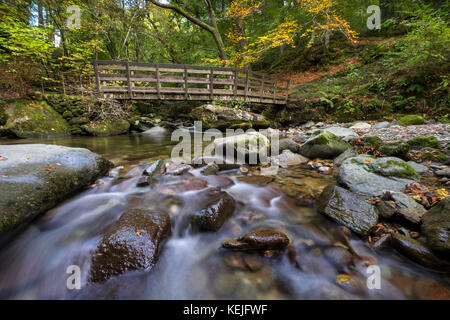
[{"x": 193, "y": 265}]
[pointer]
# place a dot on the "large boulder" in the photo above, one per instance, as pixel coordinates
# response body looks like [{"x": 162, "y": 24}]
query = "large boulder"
[
  {"x": 132, "y": 243},
  {"x": 324, "y": 145},
  {"x": 30, "y": 119},
  {"x": 218, "y": 208},
  {"x": 436, "y": 226},
  {"x": 373, "y": 177},
  {"x": 107, "y": 128},
  {"x": 251, "y": 145},
  {"x": 346, "y": 208},
  {"x": 34, "y": 178},
  {"x": 218, "y": 117}
]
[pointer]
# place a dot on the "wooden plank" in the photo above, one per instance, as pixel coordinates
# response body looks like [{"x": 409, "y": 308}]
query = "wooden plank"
[{"x": 275, "y": 91}]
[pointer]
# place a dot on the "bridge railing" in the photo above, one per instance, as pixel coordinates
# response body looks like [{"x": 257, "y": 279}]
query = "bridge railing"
[{"x": 152, "y": 81}]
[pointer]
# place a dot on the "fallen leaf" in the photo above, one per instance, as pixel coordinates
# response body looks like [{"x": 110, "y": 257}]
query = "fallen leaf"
[
  {"x": 138, "y": 233},
  {"x": 5, "y": 175},
  {"x": 442, "y": 192},
  {"x": 342, "y": 278}
]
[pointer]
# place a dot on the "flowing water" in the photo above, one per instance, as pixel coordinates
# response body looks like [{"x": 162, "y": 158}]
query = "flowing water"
[{"x": 193, "y": 265}]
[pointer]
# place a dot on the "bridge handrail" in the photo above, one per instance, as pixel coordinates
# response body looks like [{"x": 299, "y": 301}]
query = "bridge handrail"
[{"x": 269, "y": 87}]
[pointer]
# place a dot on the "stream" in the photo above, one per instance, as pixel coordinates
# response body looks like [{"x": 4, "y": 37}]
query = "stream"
[{"x": 193, "y": 265}]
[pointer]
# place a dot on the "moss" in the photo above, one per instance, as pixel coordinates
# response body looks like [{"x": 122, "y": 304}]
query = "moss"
[
  {"x": 323, "y": 138},
  {"x": 27, "y": 119},
  {"x": 429, "y": 141},
  {"x": 397, "y": 149},
  {"x": 67, "y": 114},
  {"x": 435, "y": 155},
  {"x": 411, "y": 120},
  {"x": 406, "y": 172},
  {"x": 107, "y": 128},
  {"x": 373, "y": 141}
]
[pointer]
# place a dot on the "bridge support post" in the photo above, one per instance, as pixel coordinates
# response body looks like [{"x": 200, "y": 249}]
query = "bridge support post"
[
  {"x": 246, "y": 83},
  {"x": 235, "y": 87},
  {"x": 130, "y": 92},
  {"x": 97, "y": 78},
  {"x": 287, "y": 90}
]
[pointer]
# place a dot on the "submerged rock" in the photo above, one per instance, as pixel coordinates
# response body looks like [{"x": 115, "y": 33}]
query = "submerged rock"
[
  {"x": 347, "y": 209},
  {"x": 372, "y": 177},
  {"x": 132, "y": 243},
  {"x": 223, "y": 164},
  {"x": 418, "y": 252},
  {"x": 210, "y": 169},
  {"x": 35, "y": 178},
  {"x": 155, "y": 169},
  {"x": 218, "y": 209},
  {"x": 324, "y": 145},
  {"x": 436, "y": 226},
  {"x": 264, "y": 239},
  {"x": 257, "y": 180}
]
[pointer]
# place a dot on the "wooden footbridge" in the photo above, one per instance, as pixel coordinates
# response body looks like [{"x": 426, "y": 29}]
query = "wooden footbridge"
[{"x": 153, "y": 81}]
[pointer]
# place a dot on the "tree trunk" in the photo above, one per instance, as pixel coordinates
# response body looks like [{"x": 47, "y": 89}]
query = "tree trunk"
[{"x": 213, "y": 29}]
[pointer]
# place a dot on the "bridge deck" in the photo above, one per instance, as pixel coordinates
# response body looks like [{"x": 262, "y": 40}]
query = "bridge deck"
[{"x": 151, "y": 81}]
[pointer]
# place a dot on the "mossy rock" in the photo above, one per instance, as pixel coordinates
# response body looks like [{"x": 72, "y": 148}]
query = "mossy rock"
[
  {"x": 107, "y": 128},
  {"x": 396, "y": 149},
  {"x": 411, "y": 120},
  {"x": 33, "y": 119},
  {"x": 430, "y": 154},
  {"x": 324, "y": 145},
  {"x": 373, "y": 141},
  {"x": 428, "y": 141}
]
